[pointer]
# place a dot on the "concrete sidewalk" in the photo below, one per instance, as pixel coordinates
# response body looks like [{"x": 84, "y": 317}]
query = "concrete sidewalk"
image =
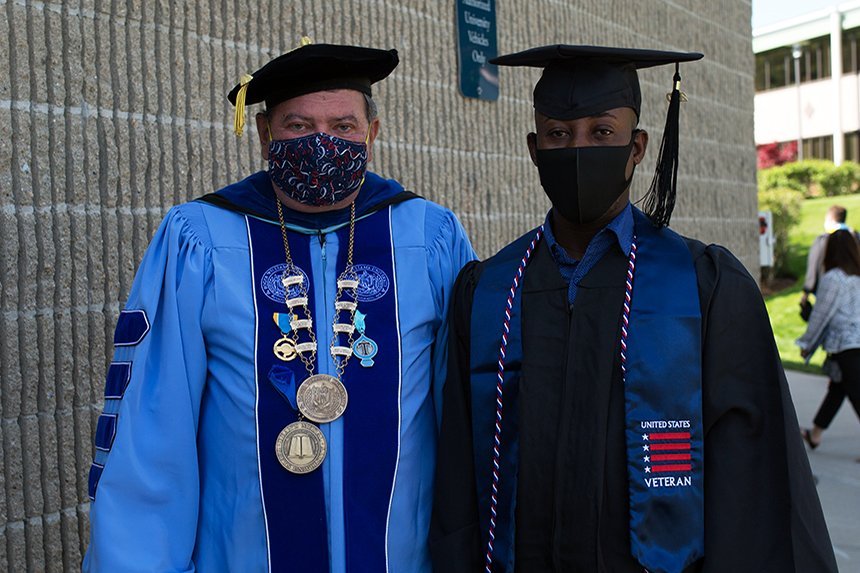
[{"x": 835, "y": 464}]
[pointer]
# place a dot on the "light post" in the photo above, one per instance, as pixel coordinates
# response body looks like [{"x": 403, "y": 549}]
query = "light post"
[{"x": 796, "y": 53}]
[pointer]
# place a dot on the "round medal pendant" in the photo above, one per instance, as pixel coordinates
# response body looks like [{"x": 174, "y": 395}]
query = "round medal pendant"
[
  {"x": 285, "y": 349},
  {"x": 300, "y": 447},
  {"x": 321, "y": 398}
]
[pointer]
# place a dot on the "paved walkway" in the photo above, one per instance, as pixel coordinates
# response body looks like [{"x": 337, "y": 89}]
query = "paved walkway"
[{"x": 835, "y": 465}]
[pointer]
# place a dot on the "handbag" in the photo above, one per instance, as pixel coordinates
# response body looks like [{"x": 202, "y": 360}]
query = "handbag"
[{"x": 805, "y": 310}]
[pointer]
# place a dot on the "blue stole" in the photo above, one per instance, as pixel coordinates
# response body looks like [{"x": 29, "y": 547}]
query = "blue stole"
[
  {"x": 486, "y": 327},
  {"x": 295, "y": 508},
  {"x": 663, "y": 401}
]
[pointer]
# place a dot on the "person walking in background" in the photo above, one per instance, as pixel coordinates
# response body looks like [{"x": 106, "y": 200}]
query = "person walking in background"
[
  {"x": 834, "y": 324},
  {"x": 834, "y": 220}
]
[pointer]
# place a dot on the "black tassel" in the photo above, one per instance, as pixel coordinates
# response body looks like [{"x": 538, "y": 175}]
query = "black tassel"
[{"x": 659, "y": 202}]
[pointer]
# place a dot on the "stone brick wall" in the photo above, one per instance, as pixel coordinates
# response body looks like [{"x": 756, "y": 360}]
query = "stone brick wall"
[{"x": 112, "y": 111}]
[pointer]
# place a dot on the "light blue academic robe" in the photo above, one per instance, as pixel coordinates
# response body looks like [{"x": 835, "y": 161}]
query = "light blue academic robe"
[{"x": 179, "y": 474}]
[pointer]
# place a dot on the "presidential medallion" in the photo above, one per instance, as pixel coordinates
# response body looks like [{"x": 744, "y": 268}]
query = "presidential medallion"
[
  {"x": 300, "y": 447},
  {"x": 321, "y": 398},
  {"x": 285, "y": 349}
]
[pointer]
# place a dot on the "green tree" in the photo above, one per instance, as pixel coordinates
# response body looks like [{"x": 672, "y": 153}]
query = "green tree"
[
  {"x": 842, "y": 180},
  {"x": 805, "y": 176},
  {"x": 784, "y": 203}
]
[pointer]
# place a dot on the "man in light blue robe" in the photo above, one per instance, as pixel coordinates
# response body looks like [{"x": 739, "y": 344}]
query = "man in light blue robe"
[{"x": 186, "y": 474}]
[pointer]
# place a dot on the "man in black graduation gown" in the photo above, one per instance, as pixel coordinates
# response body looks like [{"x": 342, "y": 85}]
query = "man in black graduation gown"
[{"x": 634, "y": 415}]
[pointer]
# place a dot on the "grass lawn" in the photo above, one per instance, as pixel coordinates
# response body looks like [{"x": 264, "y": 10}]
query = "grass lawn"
[{"x": 782, "y": 306}]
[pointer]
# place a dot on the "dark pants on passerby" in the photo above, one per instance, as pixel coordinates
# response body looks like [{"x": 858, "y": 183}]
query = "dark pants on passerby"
[{"x": 849, "y": 364}]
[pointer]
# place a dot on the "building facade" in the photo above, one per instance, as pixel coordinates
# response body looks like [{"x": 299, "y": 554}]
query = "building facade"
[
  {"x": 111, "y": 112},
  {"x": 807, "y": 84}
]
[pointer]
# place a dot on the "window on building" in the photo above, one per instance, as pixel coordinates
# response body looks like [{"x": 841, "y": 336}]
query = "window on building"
[
  {"x": 852, "y": 146},
  {"x": 762, "y": 74},
  {"x": 818, "y": 148},
  {"x": 850, "y": 60},
  {"x": 775, "y": 68}
]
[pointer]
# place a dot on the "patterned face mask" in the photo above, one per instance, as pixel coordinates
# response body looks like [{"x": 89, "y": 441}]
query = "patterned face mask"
[{"x": 318, "y": 169}]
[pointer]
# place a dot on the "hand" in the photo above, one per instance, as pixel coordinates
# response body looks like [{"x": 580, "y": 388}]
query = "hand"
[
  {"x": 804, "y": 353},
  {"x": 804, "y": 297}
]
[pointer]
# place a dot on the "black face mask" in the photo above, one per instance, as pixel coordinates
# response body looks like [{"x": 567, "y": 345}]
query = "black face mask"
[{"x": 583, "y": 182}]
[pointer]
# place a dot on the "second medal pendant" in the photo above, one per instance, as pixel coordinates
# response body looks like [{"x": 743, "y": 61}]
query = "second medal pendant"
[
  {"x": 300, "y": 448},
  {"x": 322, "y": 398}
]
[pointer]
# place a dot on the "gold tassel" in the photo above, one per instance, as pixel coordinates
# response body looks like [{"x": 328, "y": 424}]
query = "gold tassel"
[
  {"x": 239, "y": 118},
  {"x": 305, "y": 41}
]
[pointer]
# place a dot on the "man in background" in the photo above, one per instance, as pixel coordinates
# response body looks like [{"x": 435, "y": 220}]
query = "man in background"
[{"x": 834, "y": 220}]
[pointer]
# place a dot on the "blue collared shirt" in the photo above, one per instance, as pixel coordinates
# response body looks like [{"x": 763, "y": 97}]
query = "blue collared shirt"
[{"x": 619, "y": 229}]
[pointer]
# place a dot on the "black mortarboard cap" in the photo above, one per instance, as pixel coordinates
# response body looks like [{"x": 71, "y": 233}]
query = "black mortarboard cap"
[
  {"x": 311, "y": 68},
  {"x": 580, "y": 81}
]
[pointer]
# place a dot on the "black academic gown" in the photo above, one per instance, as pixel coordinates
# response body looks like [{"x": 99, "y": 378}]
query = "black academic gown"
[{"x": 762, "y": 512}]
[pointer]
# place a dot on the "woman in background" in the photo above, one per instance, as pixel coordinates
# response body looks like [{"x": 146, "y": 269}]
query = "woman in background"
[{"x": 835, "y": 326}]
